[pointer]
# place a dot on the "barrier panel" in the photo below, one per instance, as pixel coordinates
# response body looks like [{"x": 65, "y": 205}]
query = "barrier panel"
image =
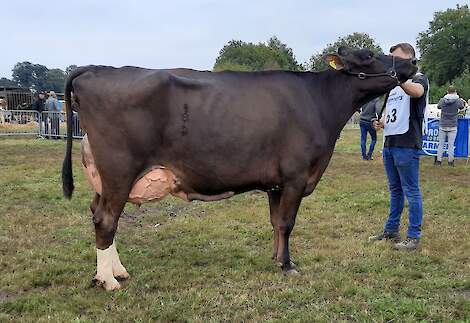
[
  {"x": 19, "y": 123},
  {"x": 53, "y": 125},
  {"x": 47, "y": 124},
  {"x": 431, "y": 138}
]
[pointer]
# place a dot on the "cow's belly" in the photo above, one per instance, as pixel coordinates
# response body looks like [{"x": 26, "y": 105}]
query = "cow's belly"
[{"x": 155, "y": 184}]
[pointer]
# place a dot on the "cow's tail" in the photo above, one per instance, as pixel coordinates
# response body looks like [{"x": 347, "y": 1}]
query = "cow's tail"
[{"x": 67, "y": 175}]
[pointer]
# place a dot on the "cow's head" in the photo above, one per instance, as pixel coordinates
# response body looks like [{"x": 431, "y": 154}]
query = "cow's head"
[{"x": 374, "y": 71}]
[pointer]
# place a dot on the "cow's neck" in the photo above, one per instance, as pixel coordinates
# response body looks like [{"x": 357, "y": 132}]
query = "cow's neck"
[{"x": 345, "y": 95}]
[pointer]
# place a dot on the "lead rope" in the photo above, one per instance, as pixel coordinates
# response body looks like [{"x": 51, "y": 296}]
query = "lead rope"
[{"x": 383, "y": 106}]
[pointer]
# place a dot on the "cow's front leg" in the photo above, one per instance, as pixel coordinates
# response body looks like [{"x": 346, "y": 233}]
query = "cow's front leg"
[
  {"x": 284, "y": 219},
  {"x": 274, "y": 199},
  {"x": 108, "y": 266},
  {"x": 119, "y": 271}
]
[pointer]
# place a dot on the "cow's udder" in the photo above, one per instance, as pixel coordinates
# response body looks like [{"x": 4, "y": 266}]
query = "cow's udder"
[{"x": 155, "y": 184}]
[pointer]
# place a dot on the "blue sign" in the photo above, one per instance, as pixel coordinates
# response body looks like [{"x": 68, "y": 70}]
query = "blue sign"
[{"x": 431, "y": 138}]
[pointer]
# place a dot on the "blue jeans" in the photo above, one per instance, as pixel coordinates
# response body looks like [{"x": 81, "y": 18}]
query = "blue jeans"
[
  {"x": 366, "y": 127},
  {"x": 402, "y": 168}
]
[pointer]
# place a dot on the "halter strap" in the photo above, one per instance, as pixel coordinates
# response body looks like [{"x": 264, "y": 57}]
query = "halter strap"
[{"x": 363, "y": 76}]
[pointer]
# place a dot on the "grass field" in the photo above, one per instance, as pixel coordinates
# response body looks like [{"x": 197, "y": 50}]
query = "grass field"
[{"x": 210, "y": 262}]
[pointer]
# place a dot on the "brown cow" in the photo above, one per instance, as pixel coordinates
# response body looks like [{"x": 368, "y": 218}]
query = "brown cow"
[{"x": 207, "y": 136}]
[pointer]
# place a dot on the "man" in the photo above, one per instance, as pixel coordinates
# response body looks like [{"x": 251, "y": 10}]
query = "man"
[
  {"x": 369, "y": 113},
  {"x": 402, "y": 125},
  {"x": 52, "y": 106},
  {"x": 39, "y": 106},
  {"x": 3, "y": 107},
  {"x": 450, "y": 105}
]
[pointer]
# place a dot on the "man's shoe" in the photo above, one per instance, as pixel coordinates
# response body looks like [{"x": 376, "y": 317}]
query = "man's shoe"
[
  {"x": 437, "y": 163},
  {"x": 393, "y": 236},
  {"x": 407, "y": 244},
  {"x": 451, "y": 163}
]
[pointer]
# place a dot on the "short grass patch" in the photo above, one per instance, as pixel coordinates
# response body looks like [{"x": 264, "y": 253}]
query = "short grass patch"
[{"x": 210, "y": 262}]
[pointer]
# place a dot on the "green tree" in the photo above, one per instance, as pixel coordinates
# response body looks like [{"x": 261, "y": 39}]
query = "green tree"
[
  {"x": 461, "y": 83},
  {"x": 354, "y": 40},
  {"x": 241, "y": 56},
  {"x": 55, "y": 80},
  {"x": 7, "y": 82},
  {"x": 445, "y": 45},
  {"x": 38, "y": 77},
  {"x": 29, "y": 75}
]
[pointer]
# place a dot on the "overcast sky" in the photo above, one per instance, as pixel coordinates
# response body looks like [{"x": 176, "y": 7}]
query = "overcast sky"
[{"x": 184, "y": 33}]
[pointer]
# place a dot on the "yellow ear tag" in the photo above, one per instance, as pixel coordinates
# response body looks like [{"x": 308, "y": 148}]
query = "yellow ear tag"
[{"x": 333, "y": 64}]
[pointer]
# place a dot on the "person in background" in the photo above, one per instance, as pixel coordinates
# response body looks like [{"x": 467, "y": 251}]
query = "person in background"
[
  {"x": 369, "y": 113},
  {"x": 3, "y": 107},
  {"x": 450, "y": 105},
  {"x": 39, "y": 106},
  {"x": 52, "y": 106},
  {"x": 403, "y": 128}
]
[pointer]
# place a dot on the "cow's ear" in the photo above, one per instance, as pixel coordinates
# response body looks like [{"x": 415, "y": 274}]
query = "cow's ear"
[{"x": 334, "y": 61}]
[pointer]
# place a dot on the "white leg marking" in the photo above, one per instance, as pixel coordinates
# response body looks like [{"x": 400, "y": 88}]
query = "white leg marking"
[
  {"x": 118, "y": 269},
  {"x": 104, "y": 268}
]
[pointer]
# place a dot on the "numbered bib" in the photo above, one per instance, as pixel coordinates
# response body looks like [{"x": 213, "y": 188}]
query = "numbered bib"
[{"x": 397, "y": 113}]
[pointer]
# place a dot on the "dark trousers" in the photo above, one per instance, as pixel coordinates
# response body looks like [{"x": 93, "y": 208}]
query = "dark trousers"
[
  {"x": 45, "y": 121},
  {"x": 55, "y": 124},
  {"x": 366, "y": 127}
]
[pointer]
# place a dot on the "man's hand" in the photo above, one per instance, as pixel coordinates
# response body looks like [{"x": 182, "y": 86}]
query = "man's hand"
[{"x": 377, "y": 125}]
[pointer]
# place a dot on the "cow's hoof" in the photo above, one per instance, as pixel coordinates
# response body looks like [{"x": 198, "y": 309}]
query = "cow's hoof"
[
  {"x": 291, "y": 272},
  {"x": 289, "y": 269},
  {"x": 122, "y": 277},
  {"x": 111, "y": 284},
  {"x": 280, "y": 264}
]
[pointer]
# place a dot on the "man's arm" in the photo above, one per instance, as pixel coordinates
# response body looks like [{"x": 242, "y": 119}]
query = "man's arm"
[{"x": 415, "y": 90}]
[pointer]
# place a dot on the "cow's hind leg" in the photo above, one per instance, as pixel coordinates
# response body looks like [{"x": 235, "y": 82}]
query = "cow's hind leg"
[
  {"x": 284, "y": 220},
  {"x": 106, "y": 218}
]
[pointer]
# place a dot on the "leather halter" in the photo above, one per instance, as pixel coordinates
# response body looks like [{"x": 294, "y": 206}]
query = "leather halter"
[{"x": 362, "y": 76}]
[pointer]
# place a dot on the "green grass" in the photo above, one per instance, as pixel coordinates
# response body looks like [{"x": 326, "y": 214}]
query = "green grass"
[{"x": 210, "y": 262}]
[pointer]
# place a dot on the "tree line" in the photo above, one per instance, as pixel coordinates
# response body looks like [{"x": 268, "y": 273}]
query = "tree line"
[
  {"x": 444, "y": 49},
  {"x": 37, "y": 77}
]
